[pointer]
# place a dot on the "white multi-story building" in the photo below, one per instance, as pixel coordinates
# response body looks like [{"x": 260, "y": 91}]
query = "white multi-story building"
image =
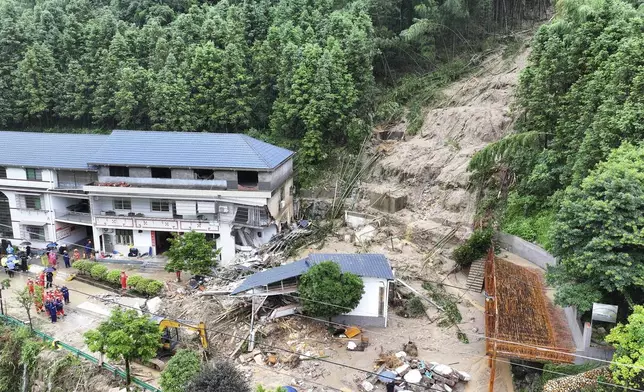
[{"x": 136, "y": 188}]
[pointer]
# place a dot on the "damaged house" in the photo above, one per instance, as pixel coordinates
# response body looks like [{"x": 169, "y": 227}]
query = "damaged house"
[
  {"x": 374, "y": 270},
  {"x": 134, "y": 189}
]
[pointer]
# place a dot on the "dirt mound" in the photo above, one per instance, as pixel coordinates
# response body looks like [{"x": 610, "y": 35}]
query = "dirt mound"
[{"x": 431, "y": 167}]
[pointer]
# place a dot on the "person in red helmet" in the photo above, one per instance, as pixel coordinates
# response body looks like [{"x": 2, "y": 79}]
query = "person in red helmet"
[{"x": 123, "y": 280}]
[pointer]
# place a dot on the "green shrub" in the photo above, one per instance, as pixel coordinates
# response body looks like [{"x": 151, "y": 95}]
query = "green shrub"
[
  {"x": 79, "y": 265},
  {"x": 98, "y": 272},
  {"x": 113, "y": 276},
  {"x": 133, "y": 281},
  {"x": 154, "y": 287},
  {"x": 142, "y": 285},
  {"x": 474, "y": 248},
  {"x": 415, "y": 307}
]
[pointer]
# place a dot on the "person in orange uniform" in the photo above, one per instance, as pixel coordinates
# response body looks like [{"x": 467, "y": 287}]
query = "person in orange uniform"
[
  {"x": 123, "y": 280},
  {"x": 41, "y": 280},
  {"x": 30, "y": 286}
]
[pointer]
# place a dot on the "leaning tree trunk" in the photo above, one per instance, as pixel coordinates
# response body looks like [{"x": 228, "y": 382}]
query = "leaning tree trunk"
[{"x": 127, "y": 374}]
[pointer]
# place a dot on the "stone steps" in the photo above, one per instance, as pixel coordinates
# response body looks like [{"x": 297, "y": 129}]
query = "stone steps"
[{"x": 476, "y": 276}]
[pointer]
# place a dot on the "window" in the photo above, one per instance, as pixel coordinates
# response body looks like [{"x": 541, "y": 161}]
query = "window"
[
  {"x": 35, "y": 233},
  {"x": 204, "y": 174},
  {"x": 119, "y": 171},
  {"x": 124, "y": 237},
  {"x": 32, "y": 202},
  {"x": 122, "y": 204},
  {"x": 34, "y": 174},
  {"x": 247, "y": 179},
  {"x": 161, "y": 172},
  {"x": 160, "y": 205},
  {"x": 3, "y": 172}
]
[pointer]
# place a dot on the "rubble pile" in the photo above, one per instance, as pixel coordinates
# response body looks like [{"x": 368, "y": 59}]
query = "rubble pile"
[
  {"x": 576, "y": 382},
  {"x": 409, "y": 373}
]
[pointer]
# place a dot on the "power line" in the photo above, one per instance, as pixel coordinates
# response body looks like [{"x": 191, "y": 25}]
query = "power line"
[
  {"x": 553, "y": 372},
  {"x": 243, "y": 339}
]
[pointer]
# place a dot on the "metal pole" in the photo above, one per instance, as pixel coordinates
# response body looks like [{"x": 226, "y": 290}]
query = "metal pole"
[{"x": 1, "y": 302}]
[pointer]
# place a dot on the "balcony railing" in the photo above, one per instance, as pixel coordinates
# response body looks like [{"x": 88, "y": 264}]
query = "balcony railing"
[
  {"x": 151, "y": 223},
  {"x": 163, "y": 183},
  {"x": 76, "y": 217}
]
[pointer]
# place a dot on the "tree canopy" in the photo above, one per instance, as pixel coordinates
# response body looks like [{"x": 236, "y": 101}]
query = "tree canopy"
[
  {"x": 181, "y": 368},
  {"x": 326, "y": 291},
  {"x": 628, "y": 340},
  {"x": 192, "y": 252},
  {"x": 125, "y": 336},
  {"x": 221, "y": 376},
  {"x": 600, "y": 229},
  {"x": 296, "y": 72}
]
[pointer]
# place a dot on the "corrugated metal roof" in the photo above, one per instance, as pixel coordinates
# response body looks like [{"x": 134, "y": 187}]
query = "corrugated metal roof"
[
  {"x": 362, "y": 264},
  {"x": 189, "y": 149},
  {"x": 48, "y": 150}
]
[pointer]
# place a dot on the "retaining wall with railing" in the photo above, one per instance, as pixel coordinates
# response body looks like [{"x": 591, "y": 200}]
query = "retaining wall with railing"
[{"x": 81, "y": 354}]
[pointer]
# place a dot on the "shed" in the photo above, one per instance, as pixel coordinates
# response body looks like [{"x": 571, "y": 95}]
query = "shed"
[{"x": 374, "y": 270}]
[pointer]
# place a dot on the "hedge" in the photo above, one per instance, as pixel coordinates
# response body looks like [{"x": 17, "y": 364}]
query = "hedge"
[
  {"x": 137, "y": 283},
  {"x": 113, "y": 276},
  {"x": 98, "y": 272}
]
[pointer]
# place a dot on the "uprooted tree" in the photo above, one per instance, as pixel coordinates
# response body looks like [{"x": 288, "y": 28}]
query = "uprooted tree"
[
  {"x": 191, "y": 252},
  {"x": 125, "y": 336},
  {"x": 326, "y": 291}
]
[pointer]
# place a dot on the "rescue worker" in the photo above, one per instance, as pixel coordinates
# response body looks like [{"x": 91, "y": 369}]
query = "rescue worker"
[
  {"x": 66, "y": 259},
  {"x": 77, "y": 255},
  {"x": 38, "y": 303},
  {"x": 51, "y": 307},
  {"x": 53, "y": 259},
  {"x": 30, "y": 286},
  {"x": 65, "y": 291},
  {"x": 123, "y": 280},
  {"x": 58, "y": 302},
  {"x": 50, "y": 279},
  {"x": 41, "y": 280}
]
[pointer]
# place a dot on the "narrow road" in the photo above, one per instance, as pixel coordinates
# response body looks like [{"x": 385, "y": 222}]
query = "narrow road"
[{"x": 69, "y": 329}]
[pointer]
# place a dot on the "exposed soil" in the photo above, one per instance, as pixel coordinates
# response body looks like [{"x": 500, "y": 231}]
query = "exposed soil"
[{"x": 431, "y": 167}]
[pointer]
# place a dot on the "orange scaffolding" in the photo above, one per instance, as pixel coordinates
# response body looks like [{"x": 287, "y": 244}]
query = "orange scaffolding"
[{"x": 520, "y": 320}]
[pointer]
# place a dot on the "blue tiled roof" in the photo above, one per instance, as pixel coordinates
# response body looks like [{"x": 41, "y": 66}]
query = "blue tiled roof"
[
  {"x": 362, "y": 264},
  {"x": 189, "y": 149},
  {"x": 48, "y": 150}
]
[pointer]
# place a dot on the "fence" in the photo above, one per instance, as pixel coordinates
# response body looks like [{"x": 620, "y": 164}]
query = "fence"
[{"x": 78, "y": 353}]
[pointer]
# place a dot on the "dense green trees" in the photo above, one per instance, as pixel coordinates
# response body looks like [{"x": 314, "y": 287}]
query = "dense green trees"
[
  {"x": 628, "y": 340},
  {"x": 286, "y": 70},
  {"x": 600, "y": 231},
  {"x": 578, "y": 192}
]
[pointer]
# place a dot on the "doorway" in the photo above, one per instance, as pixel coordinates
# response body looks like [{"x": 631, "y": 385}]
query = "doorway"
[
  {"x": 161, "y": 240},
  {"x": 6, "y": 228},
  {"x": 106, "y": 243}
]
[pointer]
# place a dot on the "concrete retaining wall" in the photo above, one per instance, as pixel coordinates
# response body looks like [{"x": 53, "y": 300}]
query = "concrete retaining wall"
[{"x": 527, "y": 250}]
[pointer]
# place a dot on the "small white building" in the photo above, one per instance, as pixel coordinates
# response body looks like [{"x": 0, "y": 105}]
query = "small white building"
[{"x": 374, "y": 270}]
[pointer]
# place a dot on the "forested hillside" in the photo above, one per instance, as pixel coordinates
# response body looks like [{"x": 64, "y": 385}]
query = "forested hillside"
[
  {"x": 573, "y": 173},
  {"x": 300, "y": 73}
]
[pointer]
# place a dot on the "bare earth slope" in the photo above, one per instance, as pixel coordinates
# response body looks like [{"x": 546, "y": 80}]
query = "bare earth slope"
[{"x": 431, "y": 167}]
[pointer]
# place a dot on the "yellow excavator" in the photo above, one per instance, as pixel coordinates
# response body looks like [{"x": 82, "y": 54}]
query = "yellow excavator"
[{"x": 170, "y": 337}]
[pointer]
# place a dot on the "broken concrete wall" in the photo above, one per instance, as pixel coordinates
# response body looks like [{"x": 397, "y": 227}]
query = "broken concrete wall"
[{"x": 386, "y": 202}]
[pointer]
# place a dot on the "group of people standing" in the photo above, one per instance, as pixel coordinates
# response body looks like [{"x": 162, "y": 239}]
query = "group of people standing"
[{"x": 50, "y": 301}]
